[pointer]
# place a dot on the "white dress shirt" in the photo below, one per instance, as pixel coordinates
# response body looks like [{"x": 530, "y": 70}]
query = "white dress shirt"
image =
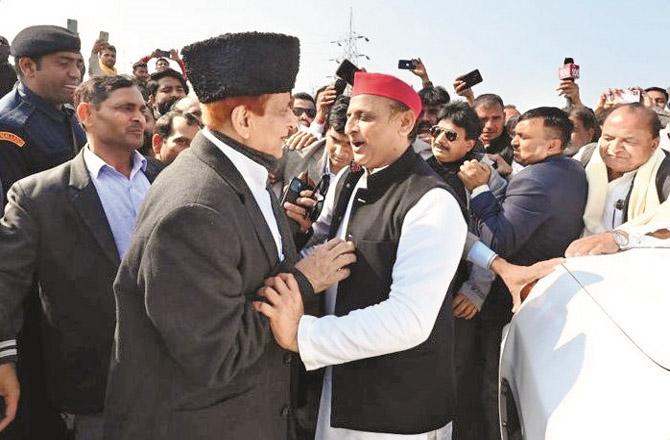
[
  {"x": 255, "y": 176},
  {"x": 429, "y": 251},
  {"x": 617, "y": 191}
]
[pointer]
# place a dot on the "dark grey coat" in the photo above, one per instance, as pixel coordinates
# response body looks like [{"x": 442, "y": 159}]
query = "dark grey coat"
[
  {"x": 193, "y": 359},
  {"x": 55, "y": 231}
]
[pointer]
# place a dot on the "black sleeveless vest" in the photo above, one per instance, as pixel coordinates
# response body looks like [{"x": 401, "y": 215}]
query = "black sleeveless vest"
[{"x": 409, "y": 392}]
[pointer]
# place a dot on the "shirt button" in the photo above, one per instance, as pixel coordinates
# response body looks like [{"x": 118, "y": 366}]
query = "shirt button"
[
  {"x": 285, "y": 411},
  {"x": 287, "y": 358}
]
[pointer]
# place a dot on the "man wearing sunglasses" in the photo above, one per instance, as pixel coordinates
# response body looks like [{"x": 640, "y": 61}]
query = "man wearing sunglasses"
[
  {"x": 304, "y": 108},
  {"x": 454, "y": 139},
  {"x": 320, "y": 160}
]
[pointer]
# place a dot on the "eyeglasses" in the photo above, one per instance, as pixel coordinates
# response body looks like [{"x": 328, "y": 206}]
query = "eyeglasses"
[
  {"x": 298, "y": 111},
  {"x": 436, "y": 131}
]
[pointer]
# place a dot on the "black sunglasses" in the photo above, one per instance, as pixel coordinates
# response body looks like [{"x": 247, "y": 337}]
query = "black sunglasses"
[
  {"x": 436, "y": 131},
  {"x": 299, "y": 111}
]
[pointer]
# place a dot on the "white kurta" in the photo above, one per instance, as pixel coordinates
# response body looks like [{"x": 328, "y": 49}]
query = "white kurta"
[{"x": 429, "y": 251}]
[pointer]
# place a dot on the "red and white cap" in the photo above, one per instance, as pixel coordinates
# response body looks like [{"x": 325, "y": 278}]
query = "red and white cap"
[{"x": 388, "y": 86}]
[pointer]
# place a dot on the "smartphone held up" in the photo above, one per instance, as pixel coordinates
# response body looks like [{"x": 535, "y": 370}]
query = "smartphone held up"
[
  {"x": 408, "y": 64},
  {"x": 471, "y": 79}
]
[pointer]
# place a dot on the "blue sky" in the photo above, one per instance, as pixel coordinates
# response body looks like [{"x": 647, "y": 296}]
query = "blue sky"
[{"x": 517, "y": 45}]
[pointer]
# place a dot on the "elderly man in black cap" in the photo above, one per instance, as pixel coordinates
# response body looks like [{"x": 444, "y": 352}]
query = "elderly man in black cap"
[
  {"x": 37, "y": 131},
  {"x": 193, "y": 358}
]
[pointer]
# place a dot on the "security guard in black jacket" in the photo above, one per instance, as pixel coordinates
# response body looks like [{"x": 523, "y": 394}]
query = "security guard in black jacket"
[{"x": 38, "y": 130}]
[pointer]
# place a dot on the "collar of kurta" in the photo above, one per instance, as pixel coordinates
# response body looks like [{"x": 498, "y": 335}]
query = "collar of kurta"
[{"x": 379, "y": 181}]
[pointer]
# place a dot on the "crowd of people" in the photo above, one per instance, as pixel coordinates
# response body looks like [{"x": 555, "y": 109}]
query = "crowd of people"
[{"x": 201, "y": 253}]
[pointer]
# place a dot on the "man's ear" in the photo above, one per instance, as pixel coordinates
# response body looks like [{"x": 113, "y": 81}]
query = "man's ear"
[
  {"x": 28, "y": 66},
  {"x": 156, "y": 144},
  {"x": 84, "y": 113},
  {"x": 407, "y": 121},
  {"x": 555, "y": 146},
  {"x": 656, "y": 142},
  {"x": 240, "y": 120}
]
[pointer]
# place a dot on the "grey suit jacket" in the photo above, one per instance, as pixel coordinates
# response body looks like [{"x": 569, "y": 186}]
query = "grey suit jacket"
[
  {"x": 193, "y": 358},
  {"x": 311, "y": 159},
  {"x": 55, "y": 230}
]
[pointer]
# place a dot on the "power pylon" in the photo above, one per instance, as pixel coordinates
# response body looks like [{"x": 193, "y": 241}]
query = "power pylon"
[{"x": 349, "y": 44}]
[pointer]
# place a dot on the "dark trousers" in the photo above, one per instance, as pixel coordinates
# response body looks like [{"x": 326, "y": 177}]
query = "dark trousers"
[
  {"x": 495, "y": 314},
  {"x": 469, "y": 363},
  {"x": 477, "y": 357},
  {"x": 36, "y": 418}
]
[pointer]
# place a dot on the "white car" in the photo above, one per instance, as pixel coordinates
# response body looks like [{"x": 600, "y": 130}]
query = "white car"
[{"x": 587, "y": 356}]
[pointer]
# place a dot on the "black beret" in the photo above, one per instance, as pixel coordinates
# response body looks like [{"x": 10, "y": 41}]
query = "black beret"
[
  {"x": 35, "y": 41},
  {"x": 243, "y": 64}
]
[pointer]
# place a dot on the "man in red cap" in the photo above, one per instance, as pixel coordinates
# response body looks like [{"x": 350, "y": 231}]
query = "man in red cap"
[{"x": 386, "y": 341}]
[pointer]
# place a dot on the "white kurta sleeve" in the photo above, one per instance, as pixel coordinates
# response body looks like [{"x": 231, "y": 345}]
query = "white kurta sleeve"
[{"x": 430, "y": 248}]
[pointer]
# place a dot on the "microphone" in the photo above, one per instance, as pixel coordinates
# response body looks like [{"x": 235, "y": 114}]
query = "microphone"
[{"x": 619, "y": 204}]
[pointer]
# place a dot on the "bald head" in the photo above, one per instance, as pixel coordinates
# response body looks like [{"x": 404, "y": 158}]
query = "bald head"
[
  {"x": 645, "y": 116},
  {"x": 630, "y": 137}
]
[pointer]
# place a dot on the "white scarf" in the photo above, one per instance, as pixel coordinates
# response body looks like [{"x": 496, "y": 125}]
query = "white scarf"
[{"x": 644, "y": 206}]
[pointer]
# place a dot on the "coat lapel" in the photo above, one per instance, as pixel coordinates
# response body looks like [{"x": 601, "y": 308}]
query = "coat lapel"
[
  {"x": 85, "y": 200},
  {"x": 209, "y": 153}
]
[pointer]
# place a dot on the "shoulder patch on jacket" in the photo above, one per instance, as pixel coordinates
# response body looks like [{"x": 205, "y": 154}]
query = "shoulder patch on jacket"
[{"x": 11, "y": 137}]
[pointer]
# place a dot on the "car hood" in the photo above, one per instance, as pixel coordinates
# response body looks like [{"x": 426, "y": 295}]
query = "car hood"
[{"x": 631, "y": 289}]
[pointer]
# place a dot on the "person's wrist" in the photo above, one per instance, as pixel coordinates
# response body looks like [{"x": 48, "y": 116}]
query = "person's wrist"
[
  {"x": 499, "y": 266},
  {"x": 621, "y": 239},
  {"x": 479, "y": 189}
]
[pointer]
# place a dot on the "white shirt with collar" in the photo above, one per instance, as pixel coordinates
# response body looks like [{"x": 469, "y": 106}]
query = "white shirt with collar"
[
  {"x": 617, "y": 191},
  {"x": 255, "y": 176},
  {"x": 429, "y": 251}
]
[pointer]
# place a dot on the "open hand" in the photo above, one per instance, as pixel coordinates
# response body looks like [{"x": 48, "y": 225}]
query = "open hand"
[
  {"x": 593, "y": 245},
  {"x": 326, "y": 265},
  {"x": 283, "y": 308},
  {"x": 299, "y": 140},
  {"x": 521, "y": 279}
]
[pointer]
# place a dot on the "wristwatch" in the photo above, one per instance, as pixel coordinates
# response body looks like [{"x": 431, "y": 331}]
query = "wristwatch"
[{"x": 620, "y": 238}]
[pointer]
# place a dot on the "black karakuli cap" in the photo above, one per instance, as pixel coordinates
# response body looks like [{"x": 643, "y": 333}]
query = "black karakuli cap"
[
  {"x": 35, "y": 41},
  {"x": 242, "y": 64}
]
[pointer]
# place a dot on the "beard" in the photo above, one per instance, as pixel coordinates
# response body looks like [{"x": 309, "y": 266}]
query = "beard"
[{"x": 165, "y": 106}]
